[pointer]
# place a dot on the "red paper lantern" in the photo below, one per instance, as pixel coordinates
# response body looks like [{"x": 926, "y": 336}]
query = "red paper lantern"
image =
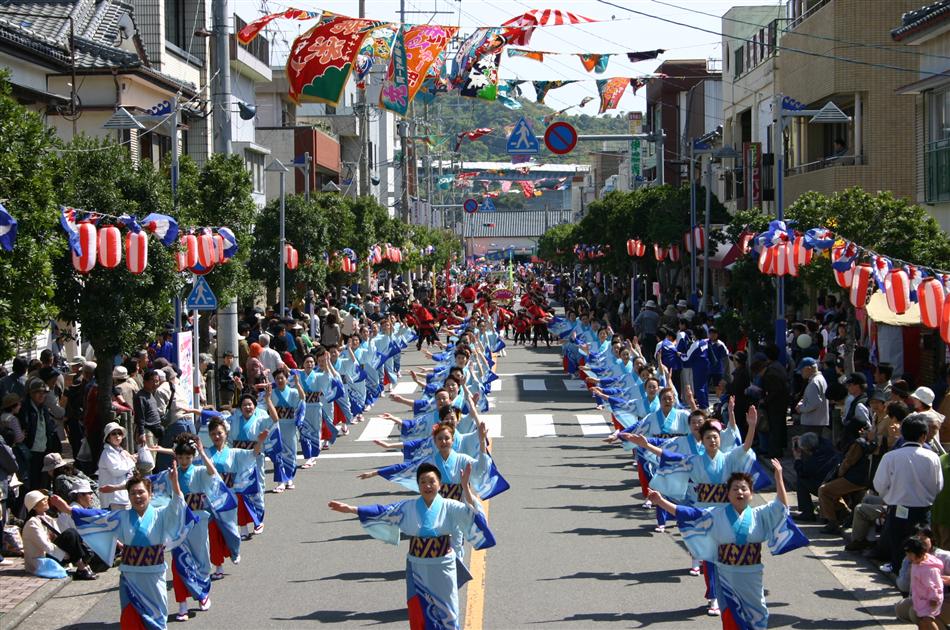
[
  {"x": 181, "y": 260},
  {"x": 801, "y": 255},
  {"x": 219, "y": 246},
  {"x": 636, "y": 247},
  {"x": 860, "y": 284},
  {"x": 945, "y": 320},
  {"x": 348, "y": 265},
  {"x": 207, "y": 257},
  {"x": 930, "y": 294},
  {"x": 767, "y": 261},
  {"x": 843, "y": 278},
  {"x": 897, "y": 291},
  {"x": 659, "y": 252},
  {"x": 110, "y": 247},
  {"x": 87, "y": 241},
  {"x": 136, "y": 251},
  {"x": 189, "y": 243},
  {"x": 674, "y": 252},
  {"x": 698, "y": 236},
  {"x": 291, "y": 256}
]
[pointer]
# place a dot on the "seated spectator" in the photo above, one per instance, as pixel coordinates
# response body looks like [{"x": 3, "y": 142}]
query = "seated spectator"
[
  {"x": 42, "y": 538},
  {"x": 66, "y": 477},
  {"x": 852, "y": 478},
  {"x": 815, "y": 458}
]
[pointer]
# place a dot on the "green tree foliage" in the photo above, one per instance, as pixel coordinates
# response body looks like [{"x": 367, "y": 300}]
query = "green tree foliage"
[
  {"x": 117, "y": 309},
  {"x": 556, "y": 244},
  {"x": 27, "y": 192},
  {"x": 306, "y": 228},
  {"x": 219, "y": 195}
]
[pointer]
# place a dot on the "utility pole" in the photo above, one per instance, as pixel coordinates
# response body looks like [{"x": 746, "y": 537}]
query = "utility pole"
[
  {"x": 403, "y": 128},
  {"x": 362, "y": 111},
  {"x": 221, "y": 78}
]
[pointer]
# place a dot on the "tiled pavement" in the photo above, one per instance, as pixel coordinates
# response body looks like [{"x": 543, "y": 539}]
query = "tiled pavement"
[{"x": 21, "y": 592}]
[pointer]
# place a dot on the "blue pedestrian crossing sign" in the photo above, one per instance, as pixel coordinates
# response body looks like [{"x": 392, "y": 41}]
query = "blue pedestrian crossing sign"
[
  {"x": 201, "y": 297},
  {"x": 522, "y": 140}
]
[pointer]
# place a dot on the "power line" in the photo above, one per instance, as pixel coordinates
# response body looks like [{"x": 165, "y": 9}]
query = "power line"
[
  {"x": 899, "y": 48},
  {"x": 780, "y": 46}
]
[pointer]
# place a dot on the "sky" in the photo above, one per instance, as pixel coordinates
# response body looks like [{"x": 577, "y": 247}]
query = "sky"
[{"x": 617, "y": 32}]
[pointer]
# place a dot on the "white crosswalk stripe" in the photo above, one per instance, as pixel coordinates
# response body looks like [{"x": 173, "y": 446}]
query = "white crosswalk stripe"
[
  {"x": 593, "y": 424},
  {"x": 539, "y": 425},
  {"x": 493, "y": 423},
  {"x": 404, "y": 389},
  {"x": 496, "y": 386},
  {"x": 575, "y": 385},
  {"x": 533, "y": 385},
  {"x": 376, "y": 429}
]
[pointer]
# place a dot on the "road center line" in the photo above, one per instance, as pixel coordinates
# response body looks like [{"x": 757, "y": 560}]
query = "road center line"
[{"x": 475, "y": 600}]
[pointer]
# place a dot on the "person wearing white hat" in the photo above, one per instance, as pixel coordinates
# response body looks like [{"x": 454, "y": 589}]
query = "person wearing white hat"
[
  {"x": 146, "y": 532},
  {"x": 42, "y": 538},
  {"x": 116, "y": 466},
  {"x": 66, "y": 476},
  {"x": 923, "y": 400},
  {"x": 82, "y": 496}
]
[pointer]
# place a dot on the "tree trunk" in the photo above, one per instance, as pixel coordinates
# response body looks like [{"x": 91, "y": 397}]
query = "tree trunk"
[{"x": 104, "y": 410}]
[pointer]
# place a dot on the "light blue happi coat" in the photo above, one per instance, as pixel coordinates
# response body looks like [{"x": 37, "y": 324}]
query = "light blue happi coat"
[
  {"x": 140, "y": 587},
  {"x": 291, "y": 411},
  {"x": 739, "y": 587},
  {"x": 431, "y": 583},
  {"x": 238, "y": 470}
]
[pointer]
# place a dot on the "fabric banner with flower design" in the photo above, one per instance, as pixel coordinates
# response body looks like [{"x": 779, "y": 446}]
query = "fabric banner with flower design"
[
  {"x": 414, "y": 50},
  {"x": 321, "y": 59},
  {"x": 610, "y": 91}
]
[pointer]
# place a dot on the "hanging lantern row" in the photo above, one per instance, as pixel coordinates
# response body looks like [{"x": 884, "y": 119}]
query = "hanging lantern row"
[
  {"x": 636, "y": 248},
  {"x": 89, "y": 245},
  {"x": 697, "y": 235},
  {"x": 783, "y": 252}
]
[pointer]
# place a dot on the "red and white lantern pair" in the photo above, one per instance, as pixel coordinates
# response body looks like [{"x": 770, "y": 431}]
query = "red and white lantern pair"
[
  {"x": 801, "y": 255},
  {"x": 636, "y": 247},
  {"x": 674, "y": 253},
  {"x": 776, "y": 260},
  {"x": 291, "y": 256},
  {"x": 349, "y": 265},
  {"x": 696, "y": 235}
]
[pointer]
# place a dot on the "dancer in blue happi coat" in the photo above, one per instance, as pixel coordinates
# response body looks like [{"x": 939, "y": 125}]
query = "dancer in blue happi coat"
[
  {"x": 696, "y": 359},
  {"x": 151, "y": 527},
  {"x": 238, "y": 468},
  {"x": 256, "y": 416},
  {"x": 288, "y": 401},
  {"x": 437, "y": 526},
  {"x": 731, "y": 536},
  {"x": 208, "y": 498}
]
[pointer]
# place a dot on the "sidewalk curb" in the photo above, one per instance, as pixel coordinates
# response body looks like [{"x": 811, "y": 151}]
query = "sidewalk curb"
[{"x": 30, "y": 605}]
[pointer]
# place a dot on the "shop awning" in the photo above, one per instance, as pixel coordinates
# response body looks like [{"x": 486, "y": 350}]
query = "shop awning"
[{"x": 879, "y": 313}]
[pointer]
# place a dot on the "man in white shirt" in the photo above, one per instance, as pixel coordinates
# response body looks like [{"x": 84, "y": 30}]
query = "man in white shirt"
[
  {"x": 908, "y": 480},
  {"x": 269, "y": 357}
]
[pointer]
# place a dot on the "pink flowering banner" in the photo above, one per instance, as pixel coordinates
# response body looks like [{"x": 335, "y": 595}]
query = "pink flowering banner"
[
  {"x": 321, "y": 59},
  {"x": 414, "y": 51}
]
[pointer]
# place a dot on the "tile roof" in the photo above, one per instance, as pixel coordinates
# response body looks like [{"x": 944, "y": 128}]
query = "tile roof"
[
  {"x": 516, "y": 224},
  {"x": 42, "y": 28},
  {"x": 922, "y": 18}
]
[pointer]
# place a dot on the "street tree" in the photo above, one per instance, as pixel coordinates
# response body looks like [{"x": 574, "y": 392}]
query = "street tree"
[
  {"x": 116, "y": 309},
  {"x": 27, "y": 164}
]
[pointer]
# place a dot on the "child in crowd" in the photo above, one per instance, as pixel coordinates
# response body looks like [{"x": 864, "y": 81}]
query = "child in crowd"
[{"x": 926, "y": 583}]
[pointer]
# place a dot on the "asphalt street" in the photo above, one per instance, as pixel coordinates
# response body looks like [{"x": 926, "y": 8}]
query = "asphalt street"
[{"x": 575, "y": 549}]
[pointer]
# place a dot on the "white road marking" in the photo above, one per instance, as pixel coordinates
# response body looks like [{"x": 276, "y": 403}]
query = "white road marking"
[
  {"x": 376, "y": 429},
  {"x": 381, "y": 453},
  {"x": 572, "y": 385},
  {"x": 593, "y": 424},
  {"x": 534, "y": 385},
  {"x": 404, "y": 389},
  {"x": 493, "y": 422},
  {"x": 539, "y": 425},
  {"x": 496, "y": 386}
]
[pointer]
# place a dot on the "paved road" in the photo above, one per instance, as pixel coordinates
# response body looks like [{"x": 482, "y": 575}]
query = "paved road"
[{"x": 574, "y": 547}]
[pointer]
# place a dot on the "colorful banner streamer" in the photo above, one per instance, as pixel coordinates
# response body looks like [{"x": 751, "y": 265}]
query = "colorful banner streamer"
[
  {"x": 415, "y": 49},
  {"x": 542, "y": 88},
  {"x": 321, "y": 59},
  {"x": 474, "y": 134},
  {"x": 610, "y": 91},
  {"x": 594, "y": 63},
  {"x": 250, "y": 31}
]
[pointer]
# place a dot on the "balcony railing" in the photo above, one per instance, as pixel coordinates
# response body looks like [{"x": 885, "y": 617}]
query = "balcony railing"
[
  {"x": 829, "y": 162},
  {"x": 800, "y": 10},
  {"x": 761, "y": 46},
  {"x": 259, "y": 48},
  {"x": 937, "y": 170}
]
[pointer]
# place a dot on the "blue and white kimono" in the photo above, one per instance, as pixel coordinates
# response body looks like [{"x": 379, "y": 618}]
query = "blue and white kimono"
[
  {"x": 734, "y": 543},
  {"x": 143, "y": 595},
  {"x": 354, "y": 382},
  {"x": 696, "y": 359},
  {"x": 486, "y": 480},
  {"x": 243, "y": 434},
  {"x": 432, "y": 575},
  {"x": 374, "y": 385},
  {"x": 313, "y": 418},
  {"x": 694, "y": 478},
  {"x": 385, "y": 350},
  {"x": 207, "y": 497},
  {"x": 239, "y": 471},
  {"x": 290, "y": 410}
]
